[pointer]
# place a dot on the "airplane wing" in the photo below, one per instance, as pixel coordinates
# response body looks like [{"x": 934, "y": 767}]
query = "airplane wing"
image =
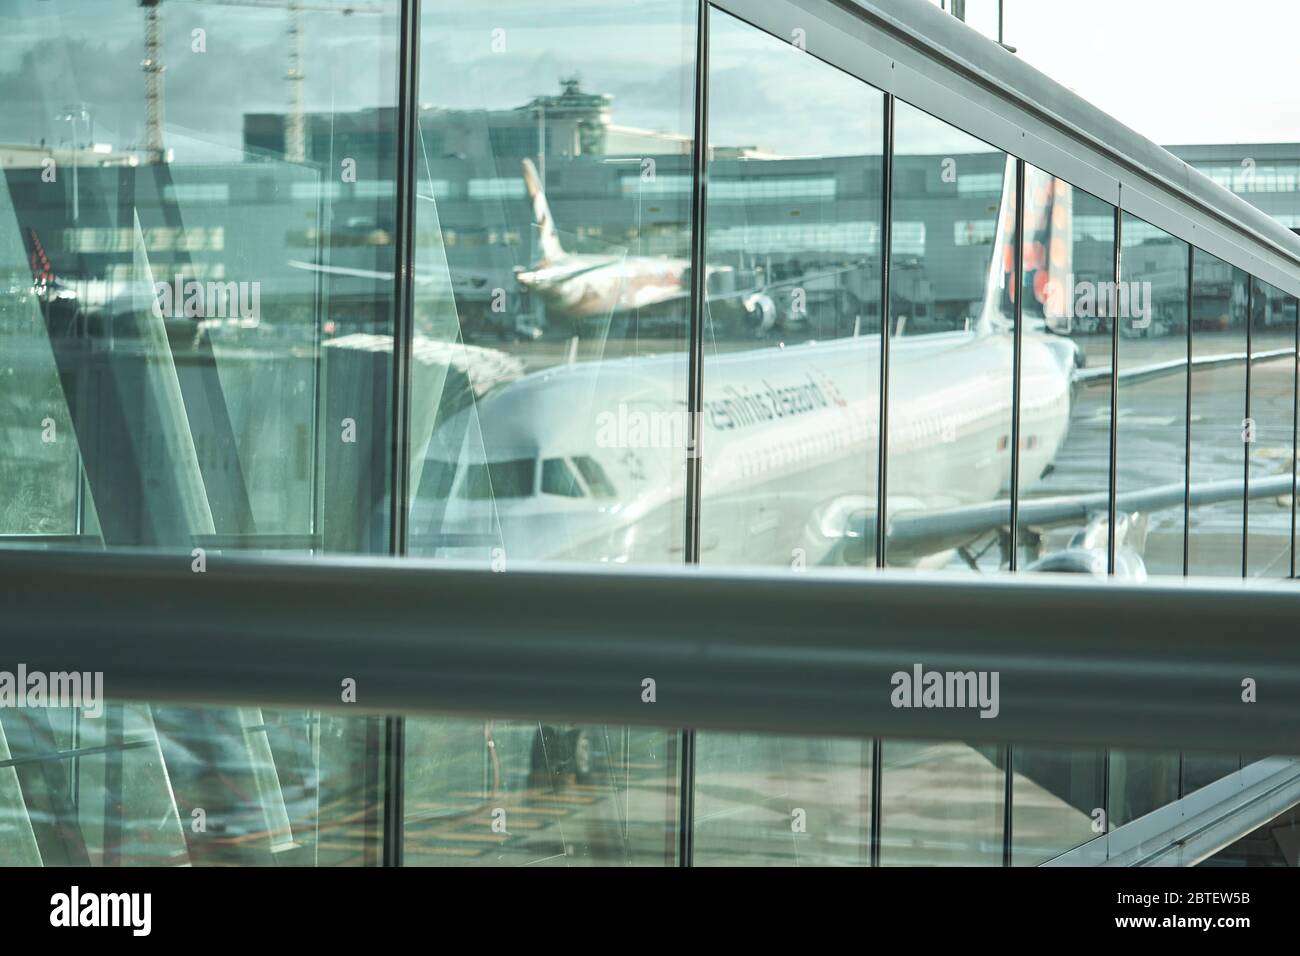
[
  {"x": 420, "y": 278},
  {"x": 1145, "y": 373},
  {"x": 932, "y": 531}
]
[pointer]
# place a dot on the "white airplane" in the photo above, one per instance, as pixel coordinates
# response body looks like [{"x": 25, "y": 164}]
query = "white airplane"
[
  {"x": 590, "y": 288},
  {"x": 584, "y": 462}
]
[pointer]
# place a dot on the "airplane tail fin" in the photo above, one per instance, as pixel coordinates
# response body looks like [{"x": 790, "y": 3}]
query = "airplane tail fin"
[
  {"x": 994, "y": 313},
  {"x": 551, "y": 248},
  {"x": 42, "y": 270}
]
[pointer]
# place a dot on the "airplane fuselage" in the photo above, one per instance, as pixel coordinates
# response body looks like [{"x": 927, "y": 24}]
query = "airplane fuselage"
[
  {"x": 788, "y": 444},
  {"x": 596, "y": 286}
]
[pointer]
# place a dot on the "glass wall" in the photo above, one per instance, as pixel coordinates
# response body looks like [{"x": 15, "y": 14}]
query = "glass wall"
[
  {"x": 791, "y": 399},
  {"x": 548, "y": 388},
  {"x": 951, "y": 344},
  {"x": 1151, "y": 422},
  {"x": 1270, "y": 448},
  {"x": 951, "y": 341},
  {"x": 1150, "y": 458},
  {"x": 1068, "y": 255},
  {"x": 183, "y": 373},
  {"x": 198, "y": 325},
  {"x": 1220, "y": 437},
  {"x": 1218, "y": 431}
]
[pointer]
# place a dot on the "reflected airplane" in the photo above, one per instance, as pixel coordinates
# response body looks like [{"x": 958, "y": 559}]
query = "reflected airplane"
[
  {"x": 583, "y": 462},
  {"x": 586, "y": 287},
  {"x": 591, "y": 288}
]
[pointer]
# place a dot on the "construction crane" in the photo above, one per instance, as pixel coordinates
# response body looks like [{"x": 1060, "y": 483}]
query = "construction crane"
[{"x": 295, "y": 131}]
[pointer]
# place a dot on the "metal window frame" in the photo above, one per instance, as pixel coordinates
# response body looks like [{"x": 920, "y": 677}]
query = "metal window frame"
[
  {"x": 695, "y": 393},
  {"x": 408, "y": 84}
]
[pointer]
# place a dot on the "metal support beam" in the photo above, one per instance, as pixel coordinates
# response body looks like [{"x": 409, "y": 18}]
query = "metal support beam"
[{"x": 1079, "y": 660}]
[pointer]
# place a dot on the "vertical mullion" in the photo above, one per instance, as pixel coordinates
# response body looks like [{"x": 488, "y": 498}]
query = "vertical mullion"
[
  {"x": 695, "y": 392},
  {"x": 400, "y": 450},
  {"x": 1295, "y": 417},
  {"x": 1245, "y": 445},
  {"x": 1112, "y": 477},
  {"x": 886, "y": 255},
  {"x": 1187, "y": 416},
  {"x": 1019, "y": 280},
  {"x": 882, "y": 428},
  {"x": 1114, "y": 386}
]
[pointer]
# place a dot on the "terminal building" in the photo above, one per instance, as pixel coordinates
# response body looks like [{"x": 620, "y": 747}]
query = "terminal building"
[{"x": 464, "y": 468}]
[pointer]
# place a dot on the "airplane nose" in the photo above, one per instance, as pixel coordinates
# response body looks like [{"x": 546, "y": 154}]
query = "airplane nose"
[{"x": 1067, "y": 353}]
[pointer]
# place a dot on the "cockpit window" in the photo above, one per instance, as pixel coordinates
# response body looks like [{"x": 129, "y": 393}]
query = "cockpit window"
[
  {"x": 594, "y": 476},
  {"x": 558, "y": 479},
  {"x": 437, "y": 479},
  {"x": 500, "y": 479}
]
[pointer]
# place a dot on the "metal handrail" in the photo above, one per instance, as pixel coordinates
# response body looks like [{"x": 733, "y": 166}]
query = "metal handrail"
[{"x": 1080, "y": 660}]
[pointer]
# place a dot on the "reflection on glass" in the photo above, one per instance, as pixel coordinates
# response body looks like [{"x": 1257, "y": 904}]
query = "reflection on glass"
[
  {"x": 782, "y": 801},
  {"x": 1141, "y": 781},
  {"x": 791, "y": 399},
  {"x": 513, "y": 793},
  {"x": 193, "y": 290},
  {"x": 1215, "y": 540},
  {"x": 951, "y": 315},
  {"x": 941, "y": 804},
  {"x": 1150, "y": 454},
  {"x": 950, "y": 411},
  {"x": 1068, "y": 252},
  {"x": 1271, "y": 450},
  {"x": 1219, "y": 294},
  {"x": 1151, "y": 433},
  {"x": 1056, "y": 793},
  {"x": 549, "y": 384},
  {"x": 141, "y": 785}
]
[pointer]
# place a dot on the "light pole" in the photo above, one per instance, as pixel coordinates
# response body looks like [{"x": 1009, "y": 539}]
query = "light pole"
[{"x": 71, "y": 115}]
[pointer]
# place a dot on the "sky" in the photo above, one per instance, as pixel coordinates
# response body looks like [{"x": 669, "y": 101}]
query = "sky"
[{"x": 1176, "y": 71}]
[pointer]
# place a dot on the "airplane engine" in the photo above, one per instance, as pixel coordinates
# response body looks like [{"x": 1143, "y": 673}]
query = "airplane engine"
[
  {"x": 760, "y": 312},
  {"x": 1128, "y": 563}
]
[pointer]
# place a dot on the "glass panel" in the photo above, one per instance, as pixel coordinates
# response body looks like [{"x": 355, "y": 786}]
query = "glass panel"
[
  {"x": 548, "y": 394},
  {"x": 1270, "y": 450},
  {"x": 1150, "y": 455},
  {"x": 185, "y": 373},
  {"x": 1058, "y": 801},
  {"x": 1219, "y": 294},
  {"x": 139, "y": 785},
  {"x": 1218, "y": 447},
  {"x": 791, "y": 394},
  {"x": 941, "y": 804},
  {"x": 1141, "y": 781},
  {"x": 950, "y": 393},
  {"x": 951, "y": 314},
  {"x": 1151, "y": 435},
  {"x": 1069, "y": 257}
]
